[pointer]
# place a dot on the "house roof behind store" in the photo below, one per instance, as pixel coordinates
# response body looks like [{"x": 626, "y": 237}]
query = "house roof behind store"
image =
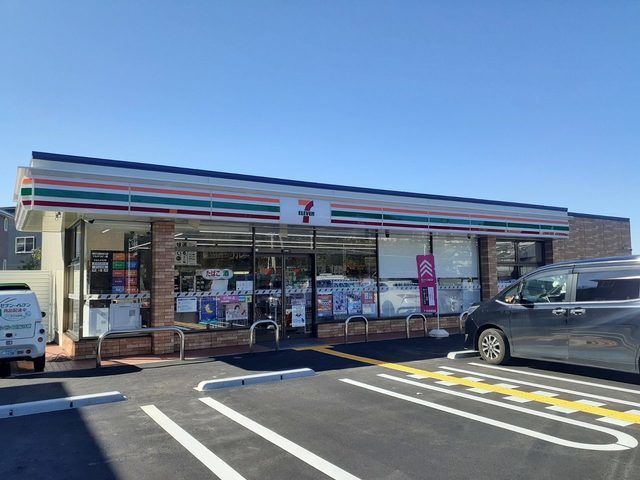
[{"x": 270, "y": 180}]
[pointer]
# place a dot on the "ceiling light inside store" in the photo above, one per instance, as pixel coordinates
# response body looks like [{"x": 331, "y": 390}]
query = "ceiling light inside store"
[
  {"x": 220, "y": 231},
  {"x": 224, "y": 245},
  {"x": 106, "y": 230}
]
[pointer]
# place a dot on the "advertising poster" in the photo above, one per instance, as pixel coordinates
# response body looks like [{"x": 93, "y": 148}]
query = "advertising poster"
[
  {"x": 208, "y": 310},
  {"x": 244, "y": 285},
  {"x": 118, "y": 268},
  {"x": 100, "y": 272},
  {"x": 186, "y": 304},
  {"x": 325, "y": 304},
  {"x": 339, "y": 303},
  {"x": 236, "y": 311},
  {"x": 368, "y": 303},
  {"x": 354, "y": 304},
  {"x": 428, "y": 283},
  {"x": 298, "y": 312},
  {"x": 186, "y": 253}
]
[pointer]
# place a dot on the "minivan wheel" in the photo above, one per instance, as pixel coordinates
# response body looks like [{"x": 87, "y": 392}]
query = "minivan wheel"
[
  {"x": 39, "y": 363},
  {"x": 493, "y": 346}
]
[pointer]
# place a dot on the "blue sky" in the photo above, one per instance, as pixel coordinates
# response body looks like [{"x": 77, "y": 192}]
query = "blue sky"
[{"x": 525, "y": 101}]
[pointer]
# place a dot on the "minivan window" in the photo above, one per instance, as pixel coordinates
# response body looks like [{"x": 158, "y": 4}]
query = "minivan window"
[
  {"x": 510, "y": 295},
  {"x": 605, "y": 286},
  {"x": 545, "y": 288}
]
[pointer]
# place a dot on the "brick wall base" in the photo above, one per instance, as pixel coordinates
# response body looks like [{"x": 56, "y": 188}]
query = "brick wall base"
[
  {"x": 327, "y": 330},
  {"x": 143, "y": 345}
]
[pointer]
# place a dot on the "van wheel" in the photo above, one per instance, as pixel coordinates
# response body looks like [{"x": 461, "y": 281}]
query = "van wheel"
[
  {"x": 493, "y": 346},
  {"x": 38, "y": 363},
  {"x": 5, "y": 369}
]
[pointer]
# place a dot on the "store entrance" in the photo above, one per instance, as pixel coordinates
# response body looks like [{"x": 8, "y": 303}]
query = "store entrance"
[{"x": 284, "y": 292}]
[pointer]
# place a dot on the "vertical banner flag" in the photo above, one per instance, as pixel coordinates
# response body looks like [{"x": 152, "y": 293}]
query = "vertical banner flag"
[{"x": 427, "y": 283}]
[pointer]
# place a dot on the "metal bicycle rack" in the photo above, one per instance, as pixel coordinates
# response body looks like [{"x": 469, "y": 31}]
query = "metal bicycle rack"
[
  {"x": 417, "y": 315},
  {"x": 129, "y": 333},
  {"x": 356, "y": 317},
  {"x": 252, "y": 334}
]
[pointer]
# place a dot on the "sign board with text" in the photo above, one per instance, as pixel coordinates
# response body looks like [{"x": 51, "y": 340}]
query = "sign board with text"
[{"x": 427, "y": 283}]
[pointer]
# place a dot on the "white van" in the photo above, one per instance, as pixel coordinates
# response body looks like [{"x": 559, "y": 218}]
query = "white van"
[{"x": 22, "y": 334}]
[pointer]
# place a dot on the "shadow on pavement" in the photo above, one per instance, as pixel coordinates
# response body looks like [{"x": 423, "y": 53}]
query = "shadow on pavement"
[
  {"x": 48, "y": 445},
  {"x": 400, "y": 350}
]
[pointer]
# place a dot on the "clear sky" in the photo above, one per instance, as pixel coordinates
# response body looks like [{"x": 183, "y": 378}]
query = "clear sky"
[{"x": 528, "y": 101}]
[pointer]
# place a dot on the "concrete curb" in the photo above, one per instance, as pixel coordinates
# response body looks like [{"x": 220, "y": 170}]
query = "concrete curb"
[
  {"x": 254, "y": 379},
  {"x": 463, "y": 354},
  {"x": 57, "y": 404}
]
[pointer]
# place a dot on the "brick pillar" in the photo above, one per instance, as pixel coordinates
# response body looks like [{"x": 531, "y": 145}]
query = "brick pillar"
[
  {"x": 163, "y": 256},
  {"x": 488, "y": 267},
  {"x": 554, "y": 251}
]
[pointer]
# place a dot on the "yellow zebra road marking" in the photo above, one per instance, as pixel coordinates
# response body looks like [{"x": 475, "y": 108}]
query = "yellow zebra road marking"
[{"x": 582, "y": 407}]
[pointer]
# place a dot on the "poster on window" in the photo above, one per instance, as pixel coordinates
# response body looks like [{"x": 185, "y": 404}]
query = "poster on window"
[
  {"x": 236, "y": 311},
  {"x": 298, "y": 312},
  {"x": 339, "y": 303},
  {"x": 100, "y": 272},
  {"x": 427, "y": 282},
  {"x": 208, "y": 310},
  {"x": 354, "y": 304},
  {"x": 186, "y": 304},
  {"x": 324, "y": 305},
  {"x": 186, "y": 253},
  {"x": 368, "y": 303}
]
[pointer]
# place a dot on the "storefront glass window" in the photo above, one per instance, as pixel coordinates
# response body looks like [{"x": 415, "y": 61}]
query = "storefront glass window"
[
  {"x": 517, "y": 258},
  {"x": 73, "y": 269},
  {"x": 399, "y": 294},
  {"x": 345, "y": 274},
  {"x": 283, "y": 237},
  {"x": 213, "y": 283},
  {"x": 456, "y": 261},
  {"x": 117, "y": 292}
]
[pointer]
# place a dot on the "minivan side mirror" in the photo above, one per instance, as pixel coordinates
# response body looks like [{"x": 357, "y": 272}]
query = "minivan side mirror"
[{"x": 44, "y": 314}]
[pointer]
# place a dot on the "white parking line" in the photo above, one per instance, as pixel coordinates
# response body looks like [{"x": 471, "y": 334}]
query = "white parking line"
[
  {"x": 551, "y": 377},
  {"x": 209, "y": 459},
  {"x": 557, "y": 408},
  {"x": 623, "y": 440},
  {"x": 591, "y": 402},
  {"x": 506, "y": 385},
  {"x": 481, "y": 391},
  {"x": 548, "y": 387},
  {"x": 517, "y": 399},
  {"x": 287, "y": 445},
  {"x": 615, "y": 421},
  {"x": 545, "y": 394}
]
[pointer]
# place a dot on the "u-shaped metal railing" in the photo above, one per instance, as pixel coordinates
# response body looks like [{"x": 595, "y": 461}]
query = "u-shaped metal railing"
[
  {"x": 252, "y": 333},
  {"x": 356, "y": 317},
  {"x": 417, "y": 315},
  {"x": 129, "y": 333}
]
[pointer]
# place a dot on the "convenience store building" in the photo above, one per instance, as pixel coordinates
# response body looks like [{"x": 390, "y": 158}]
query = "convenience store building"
[{"x": 135, "y": 244}]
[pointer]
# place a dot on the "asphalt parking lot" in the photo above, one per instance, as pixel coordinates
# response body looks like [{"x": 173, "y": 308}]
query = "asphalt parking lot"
[{"x": 385, "y": 410}]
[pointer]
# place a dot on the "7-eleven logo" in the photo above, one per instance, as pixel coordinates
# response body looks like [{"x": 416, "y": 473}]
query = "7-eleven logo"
[{"x": 306, "y": 212}]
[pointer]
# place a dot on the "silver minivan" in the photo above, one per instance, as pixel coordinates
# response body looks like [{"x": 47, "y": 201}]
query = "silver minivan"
[{"x": 584, "y": 312}]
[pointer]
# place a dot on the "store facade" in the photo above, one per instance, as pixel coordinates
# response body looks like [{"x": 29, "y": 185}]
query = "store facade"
[{"x": 146, "y": 245}]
